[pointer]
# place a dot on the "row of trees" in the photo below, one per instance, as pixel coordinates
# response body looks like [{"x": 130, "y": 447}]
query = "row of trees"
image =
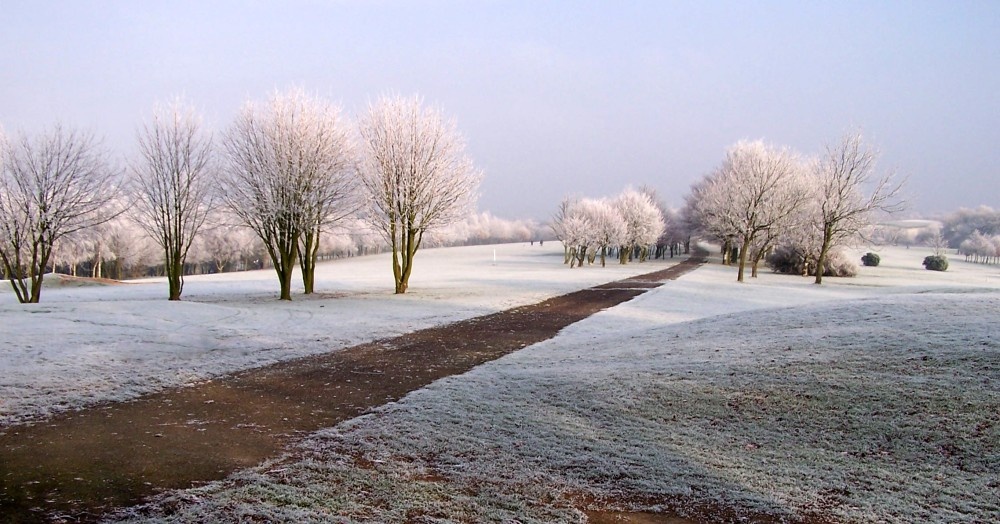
[
  {"x": 291, "y": 170},
  {"x": 763, "y": 196},
  {"x": 981, "y": 248},
  {"x": 121, "y": 249},
  {"x": 629, "y": 224}
]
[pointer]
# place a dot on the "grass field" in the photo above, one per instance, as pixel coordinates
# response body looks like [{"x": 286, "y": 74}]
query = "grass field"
[{"x": 872, "y": 399}]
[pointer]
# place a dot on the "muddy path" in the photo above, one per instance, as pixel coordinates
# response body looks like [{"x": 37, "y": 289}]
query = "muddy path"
[{"x": 77, "y": 466}]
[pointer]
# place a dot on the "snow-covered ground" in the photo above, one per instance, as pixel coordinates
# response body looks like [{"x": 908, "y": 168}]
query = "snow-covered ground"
[
  {"x": 873, "y": 399},
  {"x": 87, "y": 344}
]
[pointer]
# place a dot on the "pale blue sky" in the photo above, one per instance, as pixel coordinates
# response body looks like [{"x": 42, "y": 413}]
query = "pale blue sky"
[{"x": 554, "y": 98}]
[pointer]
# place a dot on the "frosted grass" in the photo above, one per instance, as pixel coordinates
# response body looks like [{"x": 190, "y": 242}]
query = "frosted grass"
[{"x": 873, "y": 399}]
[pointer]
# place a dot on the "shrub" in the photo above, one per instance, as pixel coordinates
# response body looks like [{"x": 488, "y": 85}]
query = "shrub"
[
  {"x": 838, "y": 265},
  {"x": 936, "y": 263},
  {"x": 786, "y": 260},
  {"x": 790, "y": 261},
  {"x": 870, "y": 259}
]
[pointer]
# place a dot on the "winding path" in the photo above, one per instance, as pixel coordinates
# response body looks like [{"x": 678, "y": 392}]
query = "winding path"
[{"x": 77, "y": 466}]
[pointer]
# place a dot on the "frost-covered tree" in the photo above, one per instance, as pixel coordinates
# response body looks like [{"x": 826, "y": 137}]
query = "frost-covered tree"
[
  {"x": 643, "y": 223},
  {"x": 756, "y": 190},
  {"x": 706, "y": 209},
  {"x": 289, "y": 174},
  {"x": 609, "y": 227},
  {"x": 559, "y": 225},
  {"x": 842, "y": 175},
  {"x": 172, "y": 182},
  {"x": 51, "y": 185},
  {"x": 416, "y": 176},
  {"x": 578, "y": 233}
]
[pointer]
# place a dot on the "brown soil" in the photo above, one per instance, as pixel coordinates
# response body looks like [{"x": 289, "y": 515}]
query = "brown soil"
[{"x": 77, "y": 466}]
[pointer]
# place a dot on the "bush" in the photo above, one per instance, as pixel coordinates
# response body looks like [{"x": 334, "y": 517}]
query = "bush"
[
  {"x": 936, "y": 263},
  {"x": 790, "y": 261},
  {"x": 838, "y": 265},
  {"x": 871, "y": 259},
  {"x": 786, "y": 260}
]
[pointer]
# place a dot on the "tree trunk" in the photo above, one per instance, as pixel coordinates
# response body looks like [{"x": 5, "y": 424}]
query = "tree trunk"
[
  {"x": 823, "y": 251},
  {"x": 744, "y": 249},
  {"x": 37, "y": 271},
  {"x": 756, "y": 262},
  {"x": 174, "y": 268},
  {"x": 285, "y": 274},
  {"x": 307, "y": 260},
  {"x": 402, "y": 258}
]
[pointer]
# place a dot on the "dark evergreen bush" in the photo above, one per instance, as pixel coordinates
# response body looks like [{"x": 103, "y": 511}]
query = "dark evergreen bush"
[
  {"x": 936, "y": 263},
  {"x": 870, "y": 259}
]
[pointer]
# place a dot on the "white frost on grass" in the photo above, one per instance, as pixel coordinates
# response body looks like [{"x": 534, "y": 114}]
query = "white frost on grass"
[
  {"x": 874, "y": 399},
  {"x": 84, "y": 345}
]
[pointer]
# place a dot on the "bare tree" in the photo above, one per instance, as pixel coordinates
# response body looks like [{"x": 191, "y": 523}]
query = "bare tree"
[
  {"x": 289, "y": 175},
  {"x": 172, "y": 185},
  {"x": 416, "y": 175},
  {"x": 845, "y": 209},
  {"x": 50, "y": 186}
]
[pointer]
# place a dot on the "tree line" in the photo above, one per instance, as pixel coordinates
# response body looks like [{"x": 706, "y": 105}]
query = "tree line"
[{"x": 292, "y": 170}]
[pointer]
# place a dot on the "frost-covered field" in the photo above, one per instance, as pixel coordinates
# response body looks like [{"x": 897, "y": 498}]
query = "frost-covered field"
[
  {"x": 89, "y": 344},
  {"x": 872, "y": 399}
]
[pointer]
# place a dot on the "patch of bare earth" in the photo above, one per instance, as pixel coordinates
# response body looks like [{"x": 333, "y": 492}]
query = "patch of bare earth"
[{"x": 77, "y": 466}]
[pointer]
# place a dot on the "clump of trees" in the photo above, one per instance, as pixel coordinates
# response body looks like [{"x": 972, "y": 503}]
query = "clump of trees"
[
  {"x": 765, "y": 199},
  {"x": 628, "y": 226},
  {"x": 757, "y": 193},
  {"x": 289, "y": 174}
]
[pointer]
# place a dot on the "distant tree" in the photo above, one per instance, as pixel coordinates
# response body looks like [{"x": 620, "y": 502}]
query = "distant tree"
[
  {"x": 845, "y": 209},
  {"x": 677, "y": 234},
  {"x": 937, "y": 241},
  {"x": 289, "y": 175},
  {"x": 173, "y": 179},
  {"x": 415, "y": 174},
  {"x": 51, "y": 185}
]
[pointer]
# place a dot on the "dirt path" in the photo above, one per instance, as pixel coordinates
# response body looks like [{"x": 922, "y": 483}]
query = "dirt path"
[{"x": 77, "y": 466}]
